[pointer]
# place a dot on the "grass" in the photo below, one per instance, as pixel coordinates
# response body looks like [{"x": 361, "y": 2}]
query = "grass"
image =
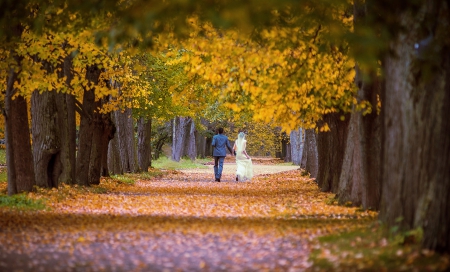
[
  {"x": 126, "y": 178},
  {"x": 168, "y": 164},
  {"x": 2, "y": 156},
  {"x": 3, "y": 175},
  {"x": 130, "y": 178},
  {"x": 376, "y": 249},
  {"x": 286, "y": 164},
  {"x": 22, "y": 202}
]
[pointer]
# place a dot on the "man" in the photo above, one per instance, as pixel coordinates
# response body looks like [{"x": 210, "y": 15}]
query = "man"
[{"x": 219, "y": 142}]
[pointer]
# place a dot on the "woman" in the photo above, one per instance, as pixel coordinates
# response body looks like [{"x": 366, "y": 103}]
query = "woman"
[{"x": 244, "y": 164}]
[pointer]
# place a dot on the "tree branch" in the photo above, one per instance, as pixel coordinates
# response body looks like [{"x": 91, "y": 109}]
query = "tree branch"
[{"x": 79, "y": 108}]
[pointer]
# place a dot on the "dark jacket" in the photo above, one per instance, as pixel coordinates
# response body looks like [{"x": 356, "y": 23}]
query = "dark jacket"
[{"x": 219, "y": 142}]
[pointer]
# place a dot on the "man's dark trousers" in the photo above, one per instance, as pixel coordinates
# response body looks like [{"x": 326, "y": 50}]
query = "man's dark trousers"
[
  {"x": 218, "y": 166},
  {"x": 220, "y": 145}
]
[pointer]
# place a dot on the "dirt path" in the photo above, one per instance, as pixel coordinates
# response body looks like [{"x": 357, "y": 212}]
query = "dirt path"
[
  {"x": 183, "y": 221},
  {"x": 229, "y": 170}
]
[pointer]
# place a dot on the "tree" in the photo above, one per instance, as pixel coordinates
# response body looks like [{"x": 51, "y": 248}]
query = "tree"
[
  {"x": 183, "y": 139},
  {"x": 415, "y": 142},
  {"x": 408, "y": 38},
  {"x": 330, "y": 148},
  {"x": 359, "y": 181},
  {"x": 46, "y": 141},
  {"x": 18, "y": 148},
  {"x": 158, "y": 102},
  {"x": 144, "y": 132},
  {"x": 312, "y": 160},
  {"x": 297, "y": 144}
]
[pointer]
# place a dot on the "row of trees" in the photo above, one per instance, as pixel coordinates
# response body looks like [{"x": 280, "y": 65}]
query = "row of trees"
[
  {"x": 381, "y": 142},
  {"x": 79, "y": 94}
]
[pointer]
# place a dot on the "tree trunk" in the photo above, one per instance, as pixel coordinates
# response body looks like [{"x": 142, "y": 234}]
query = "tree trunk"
[
  {"x": 284, "y": 148},
  {"x": 114, "y": 161},
  {"x": 369, "y": 132},
  {"x": 87, "y": 127},
  {"x": 19, "y": 158},
  {"x": 131, "y": 142},
  {"x": 287, "y": 156},
  {"x": 109, "y": 131},
  {"x": 350, "y": 181},
  {"x": 190, "y": 141},
  {"x": 127, "y": 145},
  {"x": 95, "y": 162},
  {"x": 163, "y": 135},
  {"x": 296, "y": 139},
  {"x": 144, "y": 134},
  {"x": 359, "y": 181},
  {"x": 23, "y": 162},
  {"x": 305, "y": 153},
  {"x": 68, "y": 150},
  {"x": 103, "y": 133},
  {"x": 65, "y": 106},
  {"x": 331, "y": 148},
  {"x": 312, "y": 157},
  {"x": 208, "y": 141},
  {"x": 181, "y": 127},
  {"x": 200, "y": 142},
  {"x": 11, "y": 171},
  {"x": 46, "y": 139},
  {"x": 416, "y": 142},
  {"x": 370, "y": 141}
]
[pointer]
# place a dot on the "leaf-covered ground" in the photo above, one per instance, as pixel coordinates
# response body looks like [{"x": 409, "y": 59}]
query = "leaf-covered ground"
[{"x": 176, "y": 221}]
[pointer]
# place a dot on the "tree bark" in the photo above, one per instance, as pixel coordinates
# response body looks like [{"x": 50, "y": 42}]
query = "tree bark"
[
  {"x": 208, "y": 140},
  {"x": 416, "y": 142},
  {"x": 144, "y": 143},
  {"x": 370, "y": 141},
  {"x": 12, "y": 182},
  {"x": 191, "y": 142},
  {"x": 200, "y": 141},
  {"x": 284, "y": 155},
  {"x": 296, "y": 139},
  {"x": 359, "y": 181},
  {"x": 46, "y": 139},
  {"x": 114, "y": 161},
  {"x": 127, "y": 145},
  {"x": 312, "y": 157},
  {"x": 350, "y": 180},
  {"x": 287, "y": 156},
  {"x": 95, "y": 161},
  {"x": 19, "y": 158},
  {"x": 109, "y": 131},
  {"x": 181, "y": 129},
  {"x": 68, "y": 150},
  {"x": 163, "y": 135},
  {"x": 331, "y": 148},
  {"x": 305, "y": 154},
  {"x": 23, "y": 162},
  {"x": 87, "y": 127}
]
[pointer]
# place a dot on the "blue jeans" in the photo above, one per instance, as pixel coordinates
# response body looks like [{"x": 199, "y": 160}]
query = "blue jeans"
[{"x": 218, "y": 166}]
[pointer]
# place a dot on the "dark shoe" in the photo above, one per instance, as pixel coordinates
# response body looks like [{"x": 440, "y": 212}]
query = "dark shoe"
[
  {"x": 237, "y": 178},
  {"x": 218, "y": 180}
]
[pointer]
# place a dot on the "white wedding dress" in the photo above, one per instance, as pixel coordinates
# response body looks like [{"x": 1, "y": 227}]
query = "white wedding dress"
[{"x": 244, "y": 165}]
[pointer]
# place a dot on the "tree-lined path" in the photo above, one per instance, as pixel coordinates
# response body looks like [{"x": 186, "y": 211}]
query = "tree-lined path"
[{"x": 176, "y": 221}]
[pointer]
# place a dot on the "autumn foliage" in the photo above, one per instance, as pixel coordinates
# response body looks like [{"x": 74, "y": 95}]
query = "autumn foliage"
[{"x": 181, "y": 220}]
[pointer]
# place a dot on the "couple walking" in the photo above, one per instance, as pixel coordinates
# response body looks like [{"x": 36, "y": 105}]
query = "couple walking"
[{"x": 244, "y": 165}]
